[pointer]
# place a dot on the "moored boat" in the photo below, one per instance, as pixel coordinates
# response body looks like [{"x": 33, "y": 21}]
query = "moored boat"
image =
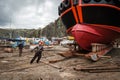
[{"x": 91, "y": 21}]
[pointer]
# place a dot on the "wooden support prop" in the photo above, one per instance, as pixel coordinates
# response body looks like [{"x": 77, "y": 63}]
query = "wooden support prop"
[
  {"x": 98, "y": 51},
  {"x": 77, "y": 54},
  {"x": 104, "y": 56},
  {"x": 98, "y": 47}
]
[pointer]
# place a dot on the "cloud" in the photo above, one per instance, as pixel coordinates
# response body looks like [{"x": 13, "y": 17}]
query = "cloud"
[{"x": 27, "y": 13}]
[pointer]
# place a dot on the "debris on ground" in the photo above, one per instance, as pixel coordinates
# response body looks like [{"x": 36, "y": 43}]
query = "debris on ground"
[{"x": 57, "y": 64}]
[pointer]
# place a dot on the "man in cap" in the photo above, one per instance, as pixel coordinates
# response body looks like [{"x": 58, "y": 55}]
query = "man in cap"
[{"x": 37, "y": 53}]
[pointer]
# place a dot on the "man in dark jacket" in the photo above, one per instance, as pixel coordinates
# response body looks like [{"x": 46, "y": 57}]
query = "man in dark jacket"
[
  {"x": 38, "y": 53},
  {"x": 20, "y": 46}
]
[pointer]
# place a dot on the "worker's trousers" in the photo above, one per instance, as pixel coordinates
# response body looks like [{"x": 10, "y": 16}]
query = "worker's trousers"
[
  {"x": 38, "y": 56},
  {"x": 20, "y": 52}
]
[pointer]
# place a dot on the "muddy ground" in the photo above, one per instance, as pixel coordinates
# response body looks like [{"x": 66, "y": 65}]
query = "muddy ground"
[{"x": 13, "y": 67}]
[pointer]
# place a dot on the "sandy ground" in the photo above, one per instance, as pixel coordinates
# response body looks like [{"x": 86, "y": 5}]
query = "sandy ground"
[{"x": 13, "y": 67}]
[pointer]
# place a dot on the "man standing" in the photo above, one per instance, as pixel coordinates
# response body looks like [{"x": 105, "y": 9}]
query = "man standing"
[
  {"x": 20, "y": 46},
  {"x": 38, "y": 53}
]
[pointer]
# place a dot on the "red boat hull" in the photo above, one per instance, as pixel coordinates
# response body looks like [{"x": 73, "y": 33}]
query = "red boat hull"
[
  {"x": 87, "y": 34},
  {"x": 91, "y": 21}
]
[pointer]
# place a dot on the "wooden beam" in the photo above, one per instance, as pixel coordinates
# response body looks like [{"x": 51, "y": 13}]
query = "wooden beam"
[
  {"x": 99, "y": 69},
  {"x": 52, "y": 65}
]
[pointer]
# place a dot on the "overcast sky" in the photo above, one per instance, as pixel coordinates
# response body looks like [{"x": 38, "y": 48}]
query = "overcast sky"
[{"x": 27, "y": 13}]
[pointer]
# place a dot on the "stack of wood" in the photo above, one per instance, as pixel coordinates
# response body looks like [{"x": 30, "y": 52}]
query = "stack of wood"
[
  {"x": 8, "y": 50},
  {"x": 98, "y": 47}
]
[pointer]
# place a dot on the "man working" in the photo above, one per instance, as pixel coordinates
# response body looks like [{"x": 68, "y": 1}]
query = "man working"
[
  {"x": 20, "y": 46},
  {"x": 37, "y": 53}
]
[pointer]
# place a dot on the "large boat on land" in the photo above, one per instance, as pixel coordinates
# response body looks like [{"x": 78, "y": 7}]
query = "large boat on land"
[{"x": 91, "y": 21}]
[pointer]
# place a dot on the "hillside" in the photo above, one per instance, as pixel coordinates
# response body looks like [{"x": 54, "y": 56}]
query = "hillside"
[{"x": 55, "y": 29}]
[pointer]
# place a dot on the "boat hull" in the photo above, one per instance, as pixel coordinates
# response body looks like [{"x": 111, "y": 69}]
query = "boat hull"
[
  {"x": 85, "y": 35},
  {"x": 91, "y": 21}
]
